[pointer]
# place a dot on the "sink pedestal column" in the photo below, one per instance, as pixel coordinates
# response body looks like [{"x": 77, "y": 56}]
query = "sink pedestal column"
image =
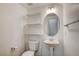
[
  {"x": 51, "y": 51},
  {"x": 52, "y": 44}
]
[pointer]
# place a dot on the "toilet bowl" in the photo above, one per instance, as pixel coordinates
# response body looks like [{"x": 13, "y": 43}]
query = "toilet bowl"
[
  {"x": 28, "y": 53},
  {"x": 33, "y": 46}
]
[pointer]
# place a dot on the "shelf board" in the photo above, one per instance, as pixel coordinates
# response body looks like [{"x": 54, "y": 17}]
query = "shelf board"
[
  {"x": 34, "y": 23},
  {"x": 33, "y": 14},
  {"x": 33, "y": 34}
]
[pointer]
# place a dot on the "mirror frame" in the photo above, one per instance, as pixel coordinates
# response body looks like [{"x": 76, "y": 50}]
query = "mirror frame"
[{"x": 45, "y": 20}]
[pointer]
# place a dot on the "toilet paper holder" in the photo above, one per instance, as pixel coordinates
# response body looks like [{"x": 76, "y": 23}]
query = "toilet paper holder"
[{"x": 12, "y": 49}]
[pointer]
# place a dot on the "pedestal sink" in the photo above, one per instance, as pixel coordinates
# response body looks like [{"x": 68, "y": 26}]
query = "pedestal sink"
[{"x": 51, "y": 44}]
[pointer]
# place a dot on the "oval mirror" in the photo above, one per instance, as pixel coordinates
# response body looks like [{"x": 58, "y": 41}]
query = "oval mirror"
[{"x": 51, "y": 24}]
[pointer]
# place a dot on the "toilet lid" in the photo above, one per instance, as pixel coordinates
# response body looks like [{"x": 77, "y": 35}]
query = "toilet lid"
[{"x": 28, "y": 53}]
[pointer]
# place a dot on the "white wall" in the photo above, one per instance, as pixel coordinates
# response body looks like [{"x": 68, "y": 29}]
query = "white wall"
[
  {"x": 59, "y": 51},
  {"x": 11, "y": 28},
  {"x": 43, "y": 48},
  {"x": 71, "y": 34}
]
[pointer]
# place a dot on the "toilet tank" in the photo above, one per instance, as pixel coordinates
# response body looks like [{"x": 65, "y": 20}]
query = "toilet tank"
[{"x": 33, "y": 45}]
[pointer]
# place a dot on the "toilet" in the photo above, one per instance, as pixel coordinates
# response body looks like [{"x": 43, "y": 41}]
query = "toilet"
[{"x": 33, "y": 47}]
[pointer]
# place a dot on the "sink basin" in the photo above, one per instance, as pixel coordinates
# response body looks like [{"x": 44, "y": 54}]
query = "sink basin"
[{"x": 52, "y": 43}]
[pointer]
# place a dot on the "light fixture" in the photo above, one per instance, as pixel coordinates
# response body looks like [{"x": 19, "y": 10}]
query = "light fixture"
[{"x": 51, "y": 10}]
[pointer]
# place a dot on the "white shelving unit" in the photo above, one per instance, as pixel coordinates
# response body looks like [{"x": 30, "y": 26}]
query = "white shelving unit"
[
  {"x": 34, "y": 19},
  {"x": 34, "y": 26}
]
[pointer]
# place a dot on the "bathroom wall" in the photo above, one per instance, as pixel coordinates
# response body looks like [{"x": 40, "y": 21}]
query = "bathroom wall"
[
  {"x": 43, "y": 48},
  {"x": 11, "y": 29},
  {"x": 34, "y": 26},
  {"x": 71, "y": 33},
  {"x": 58, "y": 51}
]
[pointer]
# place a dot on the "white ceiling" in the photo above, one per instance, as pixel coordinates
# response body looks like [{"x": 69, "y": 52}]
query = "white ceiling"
[
  {"x": 37, "y": 7},
  {"x": 31, "y": 5}
]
